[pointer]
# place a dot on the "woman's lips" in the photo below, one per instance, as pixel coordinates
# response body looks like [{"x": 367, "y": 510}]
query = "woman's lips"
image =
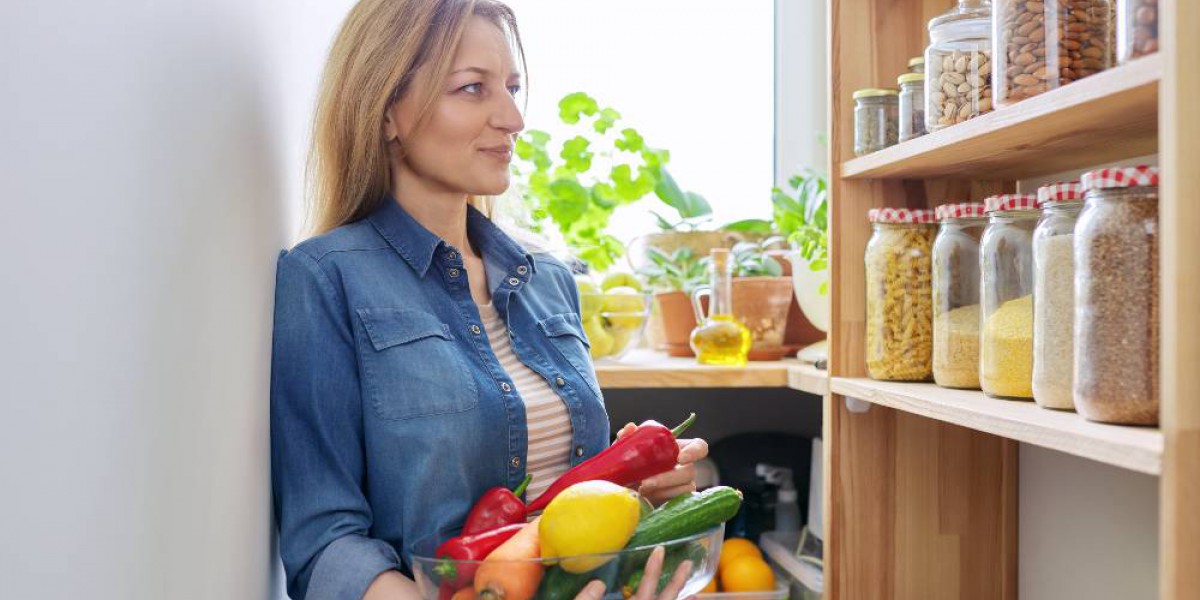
[{"x": 503, "y": 153}]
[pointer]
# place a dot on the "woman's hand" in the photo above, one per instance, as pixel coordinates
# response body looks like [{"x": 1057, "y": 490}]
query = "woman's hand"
[
  {"x": 681, "y": 480},
  {"x": 645, "y": 591}
]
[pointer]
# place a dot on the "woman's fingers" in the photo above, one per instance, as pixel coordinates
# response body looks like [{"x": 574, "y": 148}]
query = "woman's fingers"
[
  {"x": 692, "y": 450},
  {"x": 676, "y": 477},
  {"x": 678, "y": 580},
  {"x": 626, "y": 430},
  {"x": 650, "y": 575},
  {"x": 594, "y": 590}
]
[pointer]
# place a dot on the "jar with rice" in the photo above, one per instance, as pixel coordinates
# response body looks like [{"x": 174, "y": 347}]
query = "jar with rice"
[{"x": 956, "y": 295}]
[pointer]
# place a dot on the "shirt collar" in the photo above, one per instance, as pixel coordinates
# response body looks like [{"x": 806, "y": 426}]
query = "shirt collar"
[{"x": 417, "y": 245}]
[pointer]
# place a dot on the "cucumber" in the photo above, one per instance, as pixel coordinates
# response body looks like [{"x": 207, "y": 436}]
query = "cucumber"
[
  {"x": 693, "y": 551},
  {"x": 559, "y": 584},
  {"x": 687, "y": 515}
]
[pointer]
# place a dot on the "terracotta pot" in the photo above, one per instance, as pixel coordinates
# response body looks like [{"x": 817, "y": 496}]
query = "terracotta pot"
[
  {"x": 762, "y": 304},
  {"x": 678, "y": 321}
]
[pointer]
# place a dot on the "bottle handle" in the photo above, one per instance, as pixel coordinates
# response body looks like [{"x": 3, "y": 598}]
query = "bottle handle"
[{"x": 697, "y": 307}]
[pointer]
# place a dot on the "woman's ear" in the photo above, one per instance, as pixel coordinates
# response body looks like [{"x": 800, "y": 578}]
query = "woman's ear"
[{"x": 391, "y": 129}]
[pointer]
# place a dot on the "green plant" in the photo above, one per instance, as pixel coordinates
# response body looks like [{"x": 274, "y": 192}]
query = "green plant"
[
  {"x": 750, "y": 259},
  {"x": 602, "y": 167},
  {"x": 802, "y": 217},
  {"x": 679, "y": 271}
]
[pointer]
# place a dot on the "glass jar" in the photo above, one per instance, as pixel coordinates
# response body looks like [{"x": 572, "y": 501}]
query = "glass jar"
[
  {"x": 958, "y": 65},
  {"x": 1117, "y": 297},
  {"x": 956, "y": 295},
  {"x": 912, "y": 105},
  {"x": 1054, "y": 295},
  {"x": 719, "y": 338},
  {"x": 1137, "y": 28},
  {"x": 1006, "y": 269},
  {"x": 1045, "y": 44},
  {"x": 916, "y": 64},
  {"x": 899, "y": 295},
  {"x": 876, "y": 120}
]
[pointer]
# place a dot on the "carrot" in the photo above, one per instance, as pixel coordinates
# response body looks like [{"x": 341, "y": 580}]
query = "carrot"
[
  {"x": 467, "y": 593},
  {"x": 512, "y": 571}
]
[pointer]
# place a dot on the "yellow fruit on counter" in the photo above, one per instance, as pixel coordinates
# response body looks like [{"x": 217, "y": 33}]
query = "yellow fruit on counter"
[
  {"x": 615, "y": 280},
  {"x": 734, "y": 548},
  {"x": 591, "y": 517},
  {"x": 747, "y": 574},
  {"x": 624, "y": 300},
  {"x": 599, "y": 339}
]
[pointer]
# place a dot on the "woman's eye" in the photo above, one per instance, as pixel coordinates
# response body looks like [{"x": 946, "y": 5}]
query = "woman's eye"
[
  {"x": 514, "y": 89},
  {"x": 472, "y": 88}
]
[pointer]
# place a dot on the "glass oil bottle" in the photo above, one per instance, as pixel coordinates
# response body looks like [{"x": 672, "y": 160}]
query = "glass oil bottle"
[{"x": 719, "y": 338}]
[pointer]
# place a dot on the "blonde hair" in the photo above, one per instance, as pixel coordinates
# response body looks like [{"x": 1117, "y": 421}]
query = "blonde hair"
[{"x": 382, "y": 47}]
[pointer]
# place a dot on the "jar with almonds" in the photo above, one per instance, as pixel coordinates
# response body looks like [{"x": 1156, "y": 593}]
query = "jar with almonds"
[
  {"x": 958, "y": 65},
  {"x": 1045, "y": 44}
]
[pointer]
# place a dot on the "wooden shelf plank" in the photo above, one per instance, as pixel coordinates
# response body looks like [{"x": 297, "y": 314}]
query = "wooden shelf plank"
[
  {"x": 649, "y": 370},
  {"x": 1135, "y": 448},
  {"x": 1105, "y": 117}
]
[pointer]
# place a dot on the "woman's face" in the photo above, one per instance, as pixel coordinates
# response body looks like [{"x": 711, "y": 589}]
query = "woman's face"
[{"x": 466, "y": 144}]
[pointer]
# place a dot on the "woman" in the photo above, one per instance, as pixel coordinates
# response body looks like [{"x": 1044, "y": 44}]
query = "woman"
[{"x": 420, "y": 355}]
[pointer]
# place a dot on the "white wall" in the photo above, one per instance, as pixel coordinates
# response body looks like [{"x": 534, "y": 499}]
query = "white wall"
[
  {"x": 801, "y": 88},
  {"x": 149, "y": 171}
]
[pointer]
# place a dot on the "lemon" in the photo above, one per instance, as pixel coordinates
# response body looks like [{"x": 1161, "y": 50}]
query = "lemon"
[
  {"x": 624, "y": 300},
  {"x": 618, "y": 279},
  {"x": 592, "y": 517}
]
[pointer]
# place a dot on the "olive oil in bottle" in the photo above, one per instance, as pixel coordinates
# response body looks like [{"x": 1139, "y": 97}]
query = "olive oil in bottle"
[{"x": 719, "y": 339}]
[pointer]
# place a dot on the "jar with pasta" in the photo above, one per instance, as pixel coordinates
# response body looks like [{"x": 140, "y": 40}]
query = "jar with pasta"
[
  {"x": 1054, "y": 295},
  {"x": 1137, "y": 28},
  {"x": 956, "y": 295},
  {"x": 1006, "y": 269},
  {"x": 1045, "y": 44},
  {"x": 899, "y": 327},
  {"x": 958, "y": 65},
  {"x": 1117, "y": 296}
]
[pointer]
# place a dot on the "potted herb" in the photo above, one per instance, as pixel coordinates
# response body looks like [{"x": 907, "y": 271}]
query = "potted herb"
[
  {"x": 762, "y": 296},
  {"x": 802, "y": 216},
  {"x": 673, "y": 277}
]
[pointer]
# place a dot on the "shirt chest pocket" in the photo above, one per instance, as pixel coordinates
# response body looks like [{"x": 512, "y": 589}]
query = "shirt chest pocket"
[
  {"x": 565, "y": 333},
  {"x": 411, "y": 365}
]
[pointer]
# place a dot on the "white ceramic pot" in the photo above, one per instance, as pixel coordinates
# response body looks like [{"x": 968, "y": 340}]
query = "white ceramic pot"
[{"x": 808, "y": 284}]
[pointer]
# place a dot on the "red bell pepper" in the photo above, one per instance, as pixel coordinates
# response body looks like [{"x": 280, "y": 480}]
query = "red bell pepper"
[
  {"x": 455, "y": 575},
  {"x": 497, "y": 508},
  {"x": 648, "y": 451}
]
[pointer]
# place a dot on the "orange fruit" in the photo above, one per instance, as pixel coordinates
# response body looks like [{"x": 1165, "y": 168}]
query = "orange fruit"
[
  {"x": 711, "y": 588},
  {"x": 747, "y": 574},
  {"x": 736, "y": 548}
]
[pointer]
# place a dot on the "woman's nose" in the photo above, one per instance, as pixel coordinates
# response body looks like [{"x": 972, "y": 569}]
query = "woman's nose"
[{"x": 507, "y": 115}]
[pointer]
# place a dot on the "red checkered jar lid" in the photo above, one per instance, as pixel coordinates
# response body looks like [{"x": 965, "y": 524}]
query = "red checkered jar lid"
[
  {"x": 1121, "y": 177},
  {"x": 900, "y": 215},
  {"x": 1011, "y": 202},
  {"x": 1068, "y": 191},
  {"x": 960, "y": 210}
]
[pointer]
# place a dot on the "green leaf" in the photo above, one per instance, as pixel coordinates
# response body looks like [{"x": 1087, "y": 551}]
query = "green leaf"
[
  {"x": 823, "y": 289},
  {"x": 568, "y": 201},
  {"x": 572, "y": 106},
  {"x": 604, "y": 196},
  {"x": 668, "y": 191},
  {"x": 575, "y": 153},
  {"x": 631, "y": 140},
  {"x": 697, "y": 206},
  {"x": 663, "y": 224},
  {"x": 608, "y": 117},
  {"x": 749, "y": 226}
]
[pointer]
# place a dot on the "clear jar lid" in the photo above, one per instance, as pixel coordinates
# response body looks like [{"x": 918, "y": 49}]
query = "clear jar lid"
[{"x": 971, "y": 19}]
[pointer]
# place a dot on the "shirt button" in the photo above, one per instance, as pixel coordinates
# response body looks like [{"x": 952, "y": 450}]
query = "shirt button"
[
  {"x": 475, "y": 329},
  {"x": 515, "y": 462},
  {"x": 454, "y": 272},
  {"x": 560, "y": 381},
  {"x": 452, "y": 255},
  {"x": 504, "y": 386},
  {"x": 521, "y": 270},
  {"x": 578, "y": 450},
  {"x": 513, "y": 281}
]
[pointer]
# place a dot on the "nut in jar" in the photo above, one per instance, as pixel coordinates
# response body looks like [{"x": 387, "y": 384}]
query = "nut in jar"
[
  {"x": 899, "y": 295},
  {"x": 1139, "y": 28},
  {"x": 961, "y": 87},
  {"x": 1044, "y": 44}
]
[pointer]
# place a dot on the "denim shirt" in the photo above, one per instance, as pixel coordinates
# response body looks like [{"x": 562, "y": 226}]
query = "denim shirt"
[{"x": 390, "y": 414}]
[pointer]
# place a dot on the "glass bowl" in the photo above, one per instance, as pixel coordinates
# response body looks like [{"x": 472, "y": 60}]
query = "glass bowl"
[
  {"x": 614, "y": 323},
  {"x": 436, "y": 577}
]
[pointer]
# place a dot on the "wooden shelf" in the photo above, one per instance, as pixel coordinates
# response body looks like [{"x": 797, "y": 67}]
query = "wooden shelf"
[
  {"x": 1105, "y": 117},
  {"x": 1134, "y": 448},
  {"x": 649, "y": 370}
]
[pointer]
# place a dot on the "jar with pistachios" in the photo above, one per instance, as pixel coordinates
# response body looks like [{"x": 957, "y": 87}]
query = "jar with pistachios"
[
  {"x": 1045, "y": 44},
  {"x": 958, "y": 65}
]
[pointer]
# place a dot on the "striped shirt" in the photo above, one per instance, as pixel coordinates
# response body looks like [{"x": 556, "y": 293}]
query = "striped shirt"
[{"x": 546, "y": 414}]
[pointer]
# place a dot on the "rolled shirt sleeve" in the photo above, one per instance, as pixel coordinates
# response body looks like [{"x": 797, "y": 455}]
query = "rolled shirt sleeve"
[{"x": 317, "y": 452}]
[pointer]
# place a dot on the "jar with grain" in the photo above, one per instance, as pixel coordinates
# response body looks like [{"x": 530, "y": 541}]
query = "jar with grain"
[
  {"x": 912, "y": 105},
  {"x": 1045, "y": 44},
  {"x": 956, "y": 295},
  {"x": 876, "y": 120},
  {"x": 1006, "y": 269},
  {"x": 899, "y": 295},
  {"x": 916, "y": 64},
  {"x": 1054, "y": 295},
  {"x": 1117, "y": 296},
  {"x": 1137, "y": 28},
  {"x": 958, "y": 65}
]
